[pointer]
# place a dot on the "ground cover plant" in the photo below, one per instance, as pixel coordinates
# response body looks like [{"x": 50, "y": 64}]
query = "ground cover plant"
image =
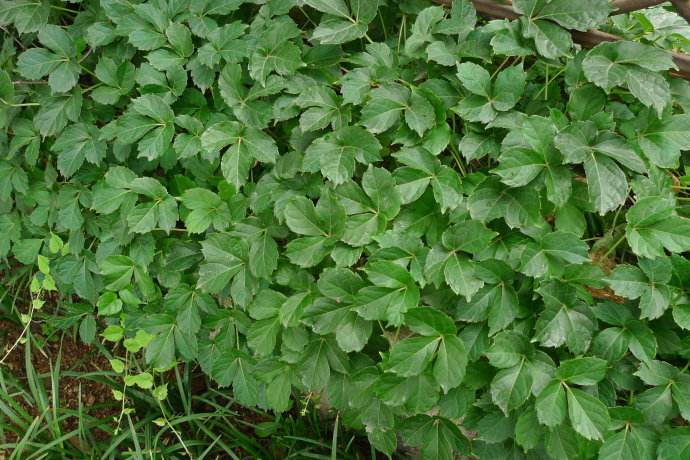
[{"x": 458, "y": 235}]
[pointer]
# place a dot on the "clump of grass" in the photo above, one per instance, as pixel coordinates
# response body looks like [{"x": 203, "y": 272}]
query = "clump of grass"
[{"x": 196, "y": 420}]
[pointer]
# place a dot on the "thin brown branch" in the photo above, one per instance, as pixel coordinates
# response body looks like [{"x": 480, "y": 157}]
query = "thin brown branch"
[
  {"x": 491, "y": 9},
  {"x": 589, "y": 39},
  {"x": 8, "y": 34},
  {"x": 29, "y": 82},
  {"x": 626, "y": 6},
  {"x": 593, "y": 37},
  {"x": 683, "y": 8}
]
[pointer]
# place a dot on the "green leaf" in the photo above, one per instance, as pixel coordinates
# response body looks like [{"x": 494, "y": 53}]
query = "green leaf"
[
  {"x": 613, "y": 64},
  {"x": 582, "y": 371},
  {"x": 430, "y": 322},
  {"x": 584, "y": 15},
  {"x": 308, "y": 251},
  {"x": 527, "y": 431},
  {"x": 511, "y": 387},
  {"x": 39, "y": 62},
  {"x": 653, "y": 226},
  {"x": 225, "y": 43},
  {"x": 588, "y": 415},
  {"x": 663, "y": 139},
  {"x": 410, "y": 357},
  {"x": 564, "y": 322},
  {"x": 380, "y": 187},
  {"x": 632, "y": 283},
  {"x": 207, "y": 209},
  {"x": 475, "y": 78},
  {"x": 656, "y": 404},
  {"x": 460, "y": 275},
  {"x": 419, "y": 115},
  {"x": 674, "y": 444},
  {"x": 385, "y": 107},
  {"x": 333, "y": 7},
  {"x": 337, "y": 153},
  {"x": 180, "y": 38},
  {"x": 551, "y": 251},
  {"x": 550, "y": 40},
  {"x": 441, "y": 225},
  {"x": 551, "y": 405},
  {"x": 314, "y": 369},
  {"x": 353, "y": 333},
  {"x": 263, "y": 255},
  {"x": 235, "y": 368},
  {"x": 450, "y": 363},
  {"x": 262, "y": 336},
  {"x": 301, "y": 217},
  {"x": 143, "y": 380},
  {"x": 78, "y": 143},
  {"x": 344, "y": 26},
  {"x": 492, "y": 200},
  {"x": 680, "y": 395},
  {"x": 244, "y": 144},
  {"x": 56, "y": 111},
  {"x": 334, "y": 31},
  {"x": 224, "y": 258},
  {"x": 508, "y": 88},
  {"x": 508, "y": 350},
  {"x": 109, "y": 304},
  {"x": 27, "y": 16},
  {"x": 118, "y": 271},
  {"x": 275, "y": 55},
  {"x": 439, "y": 438},
  {"x": 469, "y": 236},
  {"x": 624, "y": 444},
  {"x": 26, "y": 250},
  {"x": 562, "y": 442},
  {"x": 643, "y": 343},
  {"x": 608, "y": 186},
  {"x": 519, "y": 167},
  {"x": 87, "y": 329}
]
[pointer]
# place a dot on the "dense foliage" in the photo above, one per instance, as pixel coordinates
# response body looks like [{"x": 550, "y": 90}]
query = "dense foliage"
[{"x": 467, "y": 236}]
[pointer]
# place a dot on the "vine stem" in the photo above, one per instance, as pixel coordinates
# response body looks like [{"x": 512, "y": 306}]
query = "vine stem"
[
  {"x": 124, "y": 394},
  {"x": 500, "y": 66},
  {"x": 88, "y": 52},
  {"x": 614, "y": 246},
  {"x": 22, "y": 334},
  {"x": 172, "y": 428},
  {"x": 24, "y": 104},
  {"x": 92, "y": 87},
  {"x": 88, "y": 71},
  {"x": 29, "y": 82},
  {"x": 20, "y": 337},
  {"x": 66, "y": 10},
  {"x": 383, "y": 27}
]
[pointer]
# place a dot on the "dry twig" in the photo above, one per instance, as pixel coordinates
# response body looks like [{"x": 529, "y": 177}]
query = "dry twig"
[{"x": 591, "y": 38}]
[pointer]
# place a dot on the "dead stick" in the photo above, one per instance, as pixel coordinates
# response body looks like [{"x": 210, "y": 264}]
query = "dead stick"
[
  {"x": 683, "y": 8},
  {"x": 589, "y": 39},
  {"x": 593, "y": 37},
  {"x": 626, "y": 6}
]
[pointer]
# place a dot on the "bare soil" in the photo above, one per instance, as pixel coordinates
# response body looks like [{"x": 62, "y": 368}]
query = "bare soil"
[{"x": 75, "y": 357}]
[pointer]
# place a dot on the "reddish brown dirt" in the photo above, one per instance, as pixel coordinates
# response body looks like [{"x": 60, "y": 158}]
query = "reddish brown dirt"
[
  {"x": 96, "y": 397},
  {"x": 605, "y": 294}
]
